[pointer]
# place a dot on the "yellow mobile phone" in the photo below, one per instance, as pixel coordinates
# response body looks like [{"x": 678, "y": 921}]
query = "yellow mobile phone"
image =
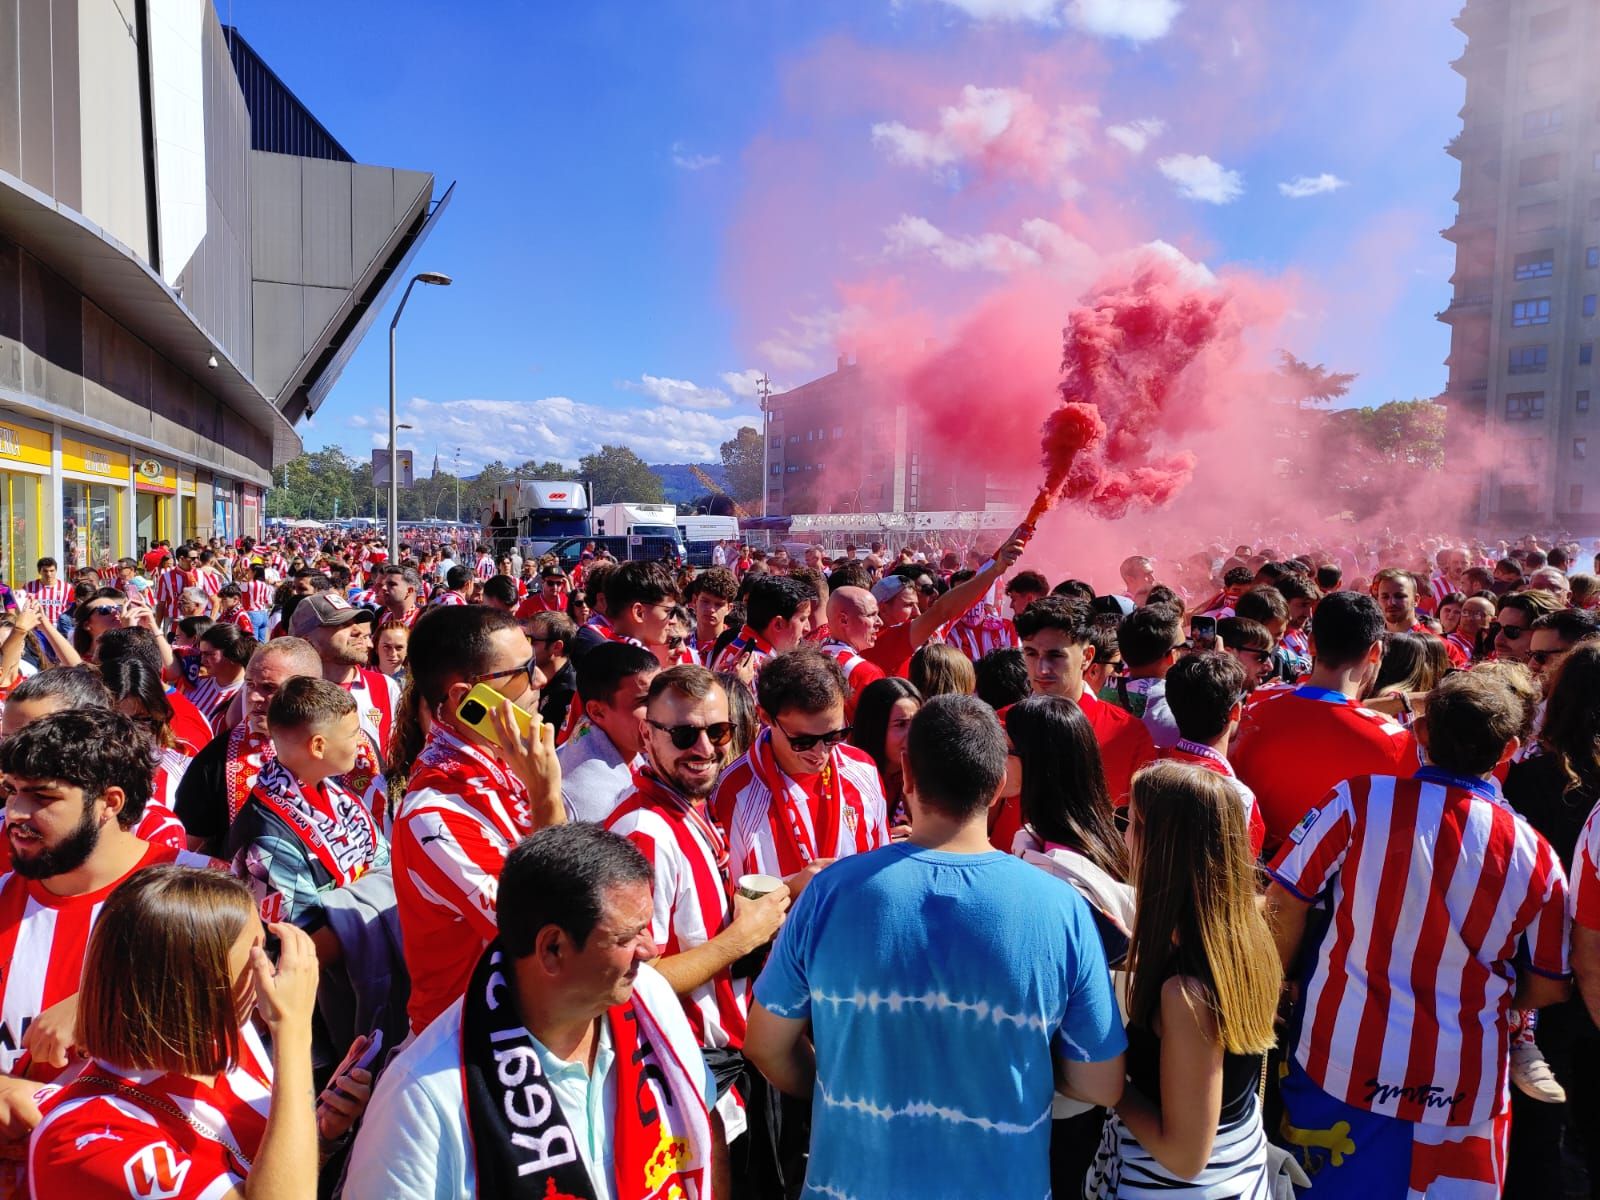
[{"x": 480, "y": 702}]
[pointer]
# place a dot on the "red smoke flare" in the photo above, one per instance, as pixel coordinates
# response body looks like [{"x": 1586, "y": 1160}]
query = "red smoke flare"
[{"x": 1133, "y": 374}]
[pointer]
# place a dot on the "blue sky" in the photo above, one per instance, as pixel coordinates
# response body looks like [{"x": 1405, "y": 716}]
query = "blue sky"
[{"x": 655, "y": 200}]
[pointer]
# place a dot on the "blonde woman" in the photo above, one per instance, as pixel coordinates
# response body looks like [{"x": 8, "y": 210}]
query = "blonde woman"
[{"x": 1204, "y": 978}]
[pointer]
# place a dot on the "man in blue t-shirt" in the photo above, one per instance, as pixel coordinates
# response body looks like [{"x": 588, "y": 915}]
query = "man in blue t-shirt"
[{"x": 926, "y": 995}]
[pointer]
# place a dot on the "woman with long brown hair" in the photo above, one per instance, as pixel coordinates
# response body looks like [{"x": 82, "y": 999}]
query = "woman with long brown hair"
[
  {"x": 179, "y": 1088},
  {"x": 1204, "y": 978},
  {"x": 1068, "y": 831}
]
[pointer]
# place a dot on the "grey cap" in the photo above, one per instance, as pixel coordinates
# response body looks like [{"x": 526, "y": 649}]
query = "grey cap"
[{"x": 325, "y": 610}]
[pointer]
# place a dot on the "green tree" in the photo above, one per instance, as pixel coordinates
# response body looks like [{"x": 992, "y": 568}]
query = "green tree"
[
  {"x": 1368, "y": 454},
  {"x": 1305, "y": 384},
  {"x": 616, "y": 474},
  {"x": 742, "y": 460}
]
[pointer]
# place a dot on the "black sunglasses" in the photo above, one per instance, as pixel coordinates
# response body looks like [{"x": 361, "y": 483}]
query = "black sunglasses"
[
  {"x": 801, "y": 742},
  {"x": 529, "y": 668},
  {"x": 1512, "y": 632},
  {"x": 105, "y": 610},
  {"x": 719, "y": 734}
]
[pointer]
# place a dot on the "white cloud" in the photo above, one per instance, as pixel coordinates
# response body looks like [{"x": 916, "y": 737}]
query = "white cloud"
[
  {"x": 558, "y": 427},
  {"x": 1039, "y": 244},
  {"x": 679, "y": 393},
  {"x": 1201, "y": 178},
  {"x": 1302, "y": 186},
  {"x": 683, "y": 159},
  {"x": 985, "y": 251},
  {"x": 808, "y": 340},
  {"x": 745, "y": 384},
  {"x": 1136, "y": 20},
  {"x": 1134, "y": 136},
  {"x": 1002, "y": 129},
  {"x": 1196, "y": 274}
]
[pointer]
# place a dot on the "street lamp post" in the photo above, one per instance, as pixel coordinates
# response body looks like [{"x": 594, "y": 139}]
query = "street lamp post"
[
  {"x": 435, "y": 278},
  {"x": 457, "y": 473}
]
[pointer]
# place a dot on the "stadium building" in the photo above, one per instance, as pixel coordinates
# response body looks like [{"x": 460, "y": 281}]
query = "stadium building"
[{"x": 188, "y": 259}]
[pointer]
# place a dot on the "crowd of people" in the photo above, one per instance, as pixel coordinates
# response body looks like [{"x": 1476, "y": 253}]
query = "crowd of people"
[{"x": 828, "y": 872}]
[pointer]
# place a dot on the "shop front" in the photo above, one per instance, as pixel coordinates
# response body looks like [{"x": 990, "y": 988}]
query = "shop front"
[
  {"x": 188, "y": 504},
  {"x": 224, "y": 512},
  {"x": 249, "y": 511},
  {"x": 155, "y": 507},
  {"x": 24, "y": 500},
  {"x": 94, "y": 503}
]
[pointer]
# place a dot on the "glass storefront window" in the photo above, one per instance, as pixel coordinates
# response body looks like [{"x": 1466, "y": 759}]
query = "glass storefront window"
[
  {"x": 91, "y": 523},
  {"x": 21, "y": 526}
]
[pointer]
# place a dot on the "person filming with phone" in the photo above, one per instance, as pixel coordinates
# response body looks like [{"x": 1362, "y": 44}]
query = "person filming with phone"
[{"x": 485, "y": 778}]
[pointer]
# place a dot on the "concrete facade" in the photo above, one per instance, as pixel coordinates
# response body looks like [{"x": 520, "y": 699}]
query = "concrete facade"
[
  {"x": 172, "y": 296},
  {"x": 1523, "y": 316},
  {"x": 849, "y": 443}
]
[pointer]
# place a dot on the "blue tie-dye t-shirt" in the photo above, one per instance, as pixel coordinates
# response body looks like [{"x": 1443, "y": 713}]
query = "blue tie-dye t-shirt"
[{"x": 937, "y": 986}]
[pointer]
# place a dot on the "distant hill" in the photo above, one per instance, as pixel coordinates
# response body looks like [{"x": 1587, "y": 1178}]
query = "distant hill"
[{"x": 679, "y": 483}]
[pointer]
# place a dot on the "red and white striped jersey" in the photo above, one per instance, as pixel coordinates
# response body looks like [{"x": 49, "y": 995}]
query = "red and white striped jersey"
[
  {"x": 448, "y": 599},
  {"x": 690, "y": 859},
  {"x": 485, "y": 568},
  {"x": 257, "y": 595},
  {"x": 776, "y": 825},
  {"x": 52, "y": 598},
  {"x": 212, "y": 698},
  {"x": 977, "y": 636},
  {"x": 1295, "y": 744},
  {"x": 1586, "y": 874},
  {"x": 1436, "y": 887},
  {"x": 159, "y": 824},
  {"x": 463, "y": 812},
  {"x": 376, "y": 697},
  {"x": 748, "y": 642},
  {"x": 42, "y": 942},
  {"x": 387, "y": 617},
  {"x": 170, "y": 585},
  {"x": 103, "y": 1139},
  {"x": 858, "y": 672}
]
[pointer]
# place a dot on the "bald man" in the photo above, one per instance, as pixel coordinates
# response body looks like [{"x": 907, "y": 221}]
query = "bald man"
[
  {"x": 219, "y": 778},
  {"x": 853, "y": 625}
]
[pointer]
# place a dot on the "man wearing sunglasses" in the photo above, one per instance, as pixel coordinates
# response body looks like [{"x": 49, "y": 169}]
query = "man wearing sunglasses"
[
  {"x": 470, "y": 798},
  {"x": 1553, "y": 637},
  {"x": 703, "y": 928},
  {"x": 170, "y": 585},
  {"x": 800, "y": 797},
  {"x": 1513, "y": 621},
  {"x": 549, "y": 596}
]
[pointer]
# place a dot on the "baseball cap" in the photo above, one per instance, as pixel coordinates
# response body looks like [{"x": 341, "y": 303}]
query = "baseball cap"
[
  {"x": 889, "y": 587},
  {"x": 326, "y": 610}
]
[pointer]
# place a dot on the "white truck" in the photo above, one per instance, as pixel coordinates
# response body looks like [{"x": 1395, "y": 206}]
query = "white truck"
[{"x": 637, "y": 520}]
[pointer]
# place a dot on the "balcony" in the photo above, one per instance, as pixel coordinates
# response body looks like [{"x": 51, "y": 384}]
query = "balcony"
[
  {"x": 1469, "y": 142},
  {"x": 1475, "y": 305},
  {"x": 1468, "y": 226}
]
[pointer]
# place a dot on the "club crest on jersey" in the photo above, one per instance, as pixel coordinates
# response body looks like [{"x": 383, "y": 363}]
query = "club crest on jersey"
[
  {"x": 1300, "y": 830},
  {"x": 850, "y": 819},
  {"x": 155, "y": 1173}
]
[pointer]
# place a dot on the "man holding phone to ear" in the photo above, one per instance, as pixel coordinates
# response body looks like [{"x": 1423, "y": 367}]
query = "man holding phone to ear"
[{"x": 484, "y": 780}]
